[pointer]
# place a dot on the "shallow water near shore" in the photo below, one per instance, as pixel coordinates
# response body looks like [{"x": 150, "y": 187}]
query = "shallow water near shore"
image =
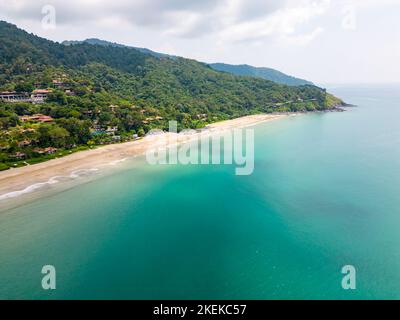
[
  {"x": 324, "y": 194},
  {"x": 59, "y": 183}
]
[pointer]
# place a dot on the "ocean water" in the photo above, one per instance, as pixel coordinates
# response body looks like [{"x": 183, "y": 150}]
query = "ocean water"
[{"x": 324, "y": 194}]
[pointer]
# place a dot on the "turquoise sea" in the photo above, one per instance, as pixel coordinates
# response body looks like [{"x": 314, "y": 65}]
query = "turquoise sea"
[{"x": 324, "y": 194}]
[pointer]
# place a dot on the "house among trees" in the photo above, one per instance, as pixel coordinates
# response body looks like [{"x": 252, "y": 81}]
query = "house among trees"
[
  {"x": 112, "y": 107},
  {"x": 15, "y": 96},
  {"x": 37, "y": 96},
  {"x": 150, "y": 119},
  {"x": 37, "y": 118},
  {"x": 58, "y": 83}
]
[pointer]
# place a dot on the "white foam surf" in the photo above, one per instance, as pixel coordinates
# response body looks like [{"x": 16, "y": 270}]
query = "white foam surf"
[{"x": 53, "y": 180}]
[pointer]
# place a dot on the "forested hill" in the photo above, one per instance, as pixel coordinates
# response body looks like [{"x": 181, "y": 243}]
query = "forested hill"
[
  {"x": 99, "y": 42},
  {"x": 181, "y": 84},
  {"x": 20, "y": 50},
  {"x": 66, "y": 96},
  {"x": 264, "y": 73},
  {"x": 241, "y": 70}
]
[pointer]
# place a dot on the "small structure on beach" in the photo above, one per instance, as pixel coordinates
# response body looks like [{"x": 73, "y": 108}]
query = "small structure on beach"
[
  {"x": 49, "y": 150},
  {"x": 24, "y": 143},
  {"x": 18, "y": 155}
]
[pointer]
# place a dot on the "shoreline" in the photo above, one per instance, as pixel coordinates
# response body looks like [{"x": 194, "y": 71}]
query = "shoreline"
[{"x": 24, "y": 180}]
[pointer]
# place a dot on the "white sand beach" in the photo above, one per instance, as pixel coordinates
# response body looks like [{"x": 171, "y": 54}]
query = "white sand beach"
[{"x": 19, "y": 180}]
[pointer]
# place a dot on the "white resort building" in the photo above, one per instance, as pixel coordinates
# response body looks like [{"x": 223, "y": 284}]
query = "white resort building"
[
  {"x": 14, "y": 96},
  {"x": 37, "y": 96}
]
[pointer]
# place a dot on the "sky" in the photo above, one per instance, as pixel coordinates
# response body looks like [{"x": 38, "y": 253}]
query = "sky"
[{"x": 324, "y": 41}]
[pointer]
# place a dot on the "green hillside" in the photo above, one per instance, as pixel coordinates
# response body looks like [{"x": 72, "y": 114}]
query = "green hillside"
[
  {"x": 96, "y": 87},
  {"x": 241, "y": 70},
  {"x": 264, "y": 73}
]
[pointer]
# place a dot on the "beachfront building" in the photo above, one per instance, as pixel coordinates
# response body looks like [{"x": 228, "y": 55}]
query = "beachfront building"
[
  {"x": 116, "y": 138},
  {"x": 202, "y": 116},
  {"x": 18, "y": 155},
  {"x": 111, "y": 130},
  {"x": 24, "y": 143},
  {"x": 49, "y": 150}
]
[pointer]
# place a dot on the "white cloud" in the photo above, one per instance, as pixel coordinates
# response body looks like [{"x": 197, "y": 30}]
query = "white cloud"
[
  {"x": 302, "y": 39},
  {"x": 237, "y": 20},
  {"x": 271, "y": 33},
  {"x": 283, "y": 24}
]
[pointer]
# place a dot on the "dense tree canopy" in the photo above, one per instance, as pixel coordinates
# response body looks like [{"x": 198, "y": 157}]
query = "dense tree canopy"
[{"x": 97, "y": 89}]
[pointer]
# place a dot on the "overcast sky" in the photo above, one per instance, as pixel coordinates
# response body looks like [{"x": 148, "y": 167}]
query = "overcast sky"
[{"x": 325, "y": 41}]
